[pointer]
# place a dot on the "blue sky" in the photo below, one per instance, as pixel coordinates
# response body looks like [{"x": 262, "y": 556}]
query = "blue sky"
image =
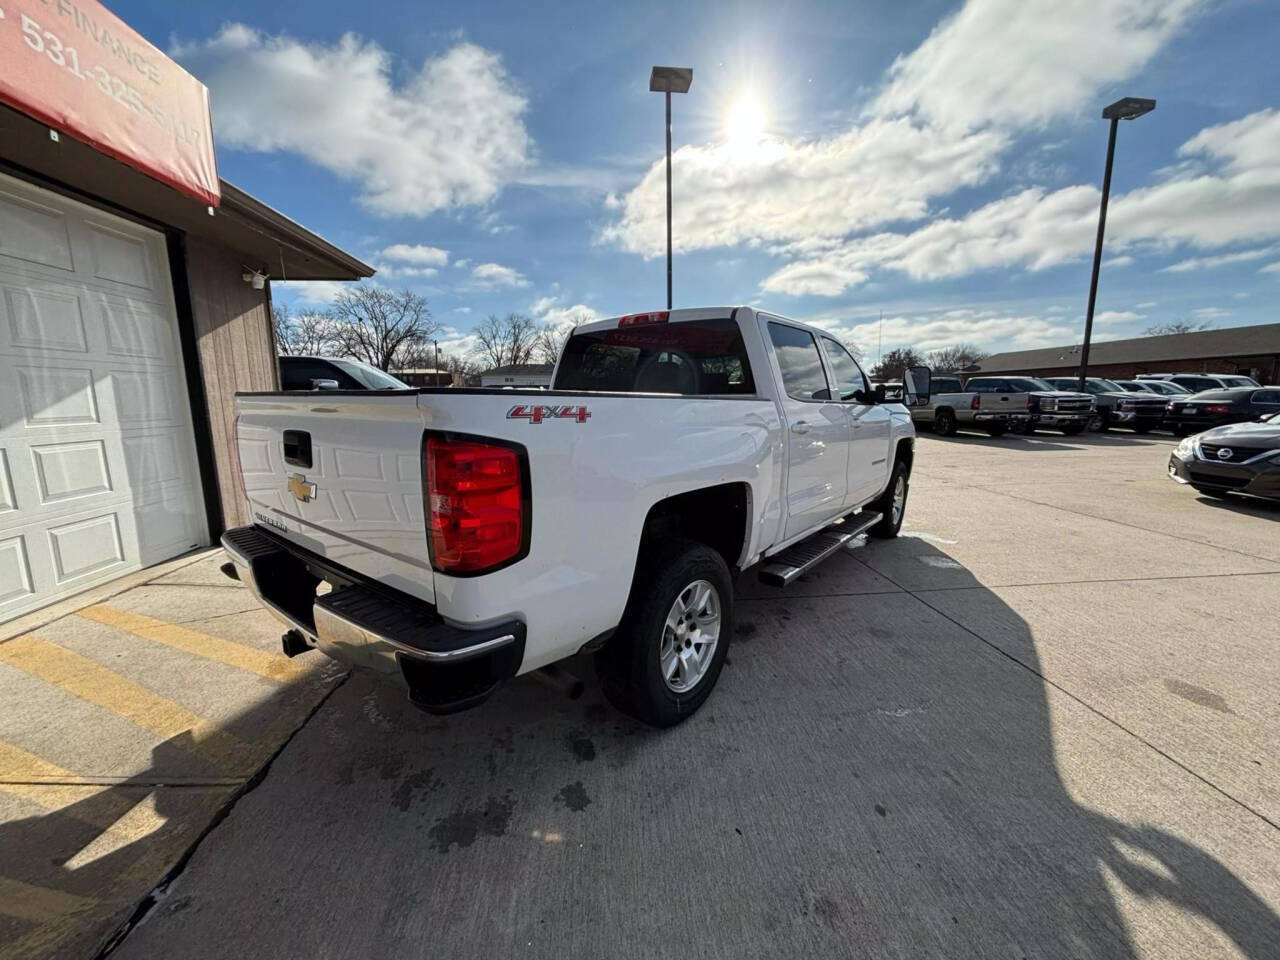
[{"x": 935, "y": 161}]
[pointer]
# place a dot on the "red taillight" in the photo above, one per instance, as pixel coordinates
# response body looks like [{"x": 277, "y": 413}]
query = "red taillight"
[
  {"x": 973, "y": 404},
  {"x": 1217, "y": 408},
  {"x": 476, "y": 514},
  {"x": 636, "y": 319}
]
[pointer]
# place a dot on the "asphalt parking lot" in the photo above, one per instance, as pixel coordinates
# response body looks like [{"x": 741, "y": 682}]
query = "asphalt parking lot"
[{"x": 1042, "y": 723}]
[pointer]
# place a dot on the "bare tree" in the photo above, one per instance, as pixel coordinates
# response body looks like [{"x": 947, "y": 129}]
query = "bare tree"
[
  {"x": 551, "y": 338},
  {"x": 895, "y": 362},
  {"x": 302, "y": 334},
  {"x": 957, "y": 356},
  {"x": 505, "y": 341},
  {"x": 386, "y": 328},
  {"x": 1176, "y": 326}
]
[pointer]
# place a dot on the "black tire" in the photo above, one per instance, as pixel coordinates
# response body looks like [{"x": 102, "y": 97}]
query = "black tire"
[
  {"x": 629, "y": 666},
  {"x": 1100, "y": 421},
  {"x": 1142, "y": 428},
  {"x": 944, "y": 423},
  {"x": 1211, "y": 492},
  {"x": 888, "y": 527},
  {"x": 997, "y": 430},
  {"x": 1181, "y": 431},
  {"x": 1074, "y": 430}
]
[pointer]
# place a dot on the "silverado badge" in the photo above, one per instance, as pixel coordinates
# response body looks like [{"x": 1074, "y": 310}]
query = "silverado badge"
[{"x": 300, "y": 488}]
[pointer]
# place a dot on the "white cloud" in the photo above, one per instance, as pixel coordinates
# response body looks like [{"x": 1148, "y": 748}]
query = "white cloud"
[
  {"x": 946, "y": 114},
  {"x": 1271, "y": 268},
  {"x": 1146, "y": 305},
  {"x": 496, "y": 275},
  {"x": 418, "y": 254},
  {"x": 1236, "y": 203},
  {"x": 449, "y": 134},
  {"x": 783, "y": 191},
  {"x": 461, "y": 264},
  {"x": 1021, "y": 63},
  {"x": 542, "y": 305},
  {"x": 1221, "y": 260},
  {"x": 311, "y": 292},
  {"x": 929, "y": 331},
  {"x": 1210, "y": 313}
]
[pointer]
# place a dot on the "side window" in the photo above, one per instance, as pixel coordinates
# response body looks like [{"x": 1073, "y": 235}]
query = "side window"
[
  {"x": 1266, "y": 396},
  {"x": 801, "y": 365},
  {"x": 983, "y": 386},
  {"x": 849, "y": 378}
]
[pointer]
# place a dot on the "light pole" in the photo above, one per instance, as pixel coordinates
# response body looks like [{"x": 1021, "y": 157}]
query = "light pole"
[
  {"x": 669, "y": 80},
  {"x": 1128, "y": 108}
]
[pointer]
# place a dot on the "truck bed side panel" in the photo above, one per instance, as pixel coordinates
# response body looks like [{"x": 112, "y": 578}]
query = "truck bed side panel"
[{"x": 594, "y": 483}]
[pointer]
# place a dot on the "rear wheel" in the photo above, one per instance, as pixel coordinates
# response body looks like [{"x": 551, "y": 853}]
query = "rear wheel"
[
  {"x": 944, "y": 423},
  {"x": 997, "y": 430},
  {"x": 892, "y": 504},
  {"x": 1100, "y": 420},
  {"x": 1142, "y": 428},
  {"x": 668, "y": 652},
  {"x": 1074, "y": 430}
]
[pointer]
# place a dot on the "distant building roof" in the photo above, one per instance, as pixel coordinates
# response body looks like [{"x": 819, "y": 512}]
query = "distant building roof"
[
  {"x": 521, "y": 370},
  {"x": 1261, "y": 339}
]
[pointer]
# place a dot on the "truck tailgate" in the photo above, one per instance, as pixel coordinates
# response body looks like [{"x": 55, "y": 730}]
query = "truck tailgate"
[{"x": 353, "y": 491}]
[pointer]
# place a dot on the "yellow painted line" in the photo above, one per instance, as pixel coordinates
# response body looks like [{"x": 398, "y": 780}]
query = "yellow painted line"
[
  {"x": 19, "y": 767},
  {"x": 273, "y": 666},
  {"x": 90, "y": 681},
  {"x": 25, "y": 901}
]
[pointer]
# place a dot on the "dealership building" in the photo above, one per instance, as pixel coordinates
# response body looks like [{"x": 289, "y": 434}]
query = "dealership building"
[
  {"x": 135, "y": 300},
  {"x": 1253, "y": 351}
]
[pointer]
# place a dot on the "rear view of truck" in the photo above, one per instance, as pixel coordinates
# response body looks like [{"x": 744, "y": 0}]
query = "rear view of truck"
[{"x": 458, "y": 537}]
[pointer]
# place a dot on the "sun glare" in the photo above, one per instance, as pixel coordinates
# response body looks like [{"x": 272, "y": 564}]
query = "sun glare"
[{"x": 744, "y": 123}]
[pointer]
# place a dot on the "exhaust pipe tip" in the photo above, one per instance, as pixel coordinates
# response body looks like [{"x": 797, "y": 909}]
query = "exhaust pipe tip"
[{"x": 230, "y": 570}]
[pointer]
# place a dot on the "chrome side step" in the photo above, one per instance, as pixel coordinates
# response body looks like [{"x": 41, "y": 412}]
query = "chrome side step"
[{"x": 782, "y": 568}]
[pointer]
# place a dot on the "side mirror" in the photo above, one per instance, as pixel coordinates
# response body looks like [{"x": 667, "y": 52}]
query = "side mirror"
[
  {"x": 878, "y": 393},
  {"x": 324, "y": 384},
  {"x": 915, "y": 385}
]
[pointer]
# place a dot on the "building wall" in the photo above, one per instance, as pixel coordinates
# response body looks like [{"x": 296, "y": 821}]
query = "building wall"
[{"x": 236, "y": 347}]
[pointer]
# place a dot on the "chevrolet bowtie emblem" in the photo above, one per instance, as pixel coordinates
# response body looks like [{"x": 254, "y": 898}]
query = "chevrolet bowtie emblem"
[{"x": 300, "y": 488}]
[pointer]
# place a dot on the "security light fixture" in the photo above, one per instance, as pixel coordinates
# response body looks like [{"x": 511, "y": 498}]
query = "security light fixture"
[{"x": 1128, "y": 108}]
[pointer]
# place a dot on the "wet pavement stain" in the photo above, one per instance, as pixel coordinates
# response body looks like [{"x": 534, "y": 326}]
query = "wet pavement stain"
[
  {"x": 574, "y": 796},
  {"x": 466, "y": 824},
  {"x": 411, "y": 787},
  {"x": 582, "y": 746},
  {"x": 1198, "y": 695},
  {"x": 744, "y": 630}
]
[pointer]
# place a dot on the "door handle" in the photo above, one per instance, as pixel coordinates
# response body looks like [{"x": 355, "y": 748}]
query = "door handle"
[{"x": 800, "y": 427}]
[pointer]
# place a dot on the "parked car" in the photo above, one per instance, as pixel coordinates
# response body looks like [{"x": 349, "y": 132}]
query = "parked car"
[
  {"x": 472, "y": 534},
  {"x": 1047, "y": 406},
  {"x": 1198, "y": 382},
  {"x": 330, "y": 373},
  {"x": 1238, "y": 458},
  {"x": 1213, "y": 408},
  {"x": 1164, "y": 388},
  {"x": 952, "y": 406},
  {"x": 1115, "y": 406}
]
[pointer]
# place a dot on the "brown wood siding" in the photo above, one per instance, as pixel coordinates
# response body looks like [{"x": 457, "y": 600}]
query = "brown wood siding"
[{"x": 236, "y": 348}]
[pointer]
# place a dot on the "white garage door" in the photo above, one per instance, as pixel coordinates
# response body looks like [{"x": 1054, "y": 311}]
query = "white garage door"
[{"x": 98, "y": 472}]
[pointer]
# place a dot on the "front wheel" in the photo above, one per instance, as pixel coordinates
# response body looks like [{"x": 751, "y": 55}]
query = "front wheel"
[
  {"x": 668, "y": 652},
  {"x": 892, "y": 504},
  {"x": 1100, "y": 421}
]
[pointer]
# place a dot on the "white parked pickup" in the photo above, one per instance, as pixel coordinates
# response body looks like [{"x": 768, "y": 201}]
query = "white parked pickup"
[{"x": 469, "y": 535}]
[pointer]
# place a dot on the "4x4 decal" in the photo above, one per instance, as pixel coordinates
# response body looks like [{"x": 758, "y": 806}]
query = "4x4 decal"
[{"x": 536, "y": 414}]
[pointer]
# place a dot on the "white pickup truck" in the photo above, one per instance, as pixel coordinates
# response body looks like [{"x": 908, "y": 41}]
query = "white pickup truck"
[{"x": 458, "y": 537}]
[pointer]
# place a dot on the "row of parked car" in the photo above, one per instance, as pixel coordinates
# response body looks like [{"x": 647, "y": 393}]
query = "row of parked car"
[{"x": 1180, "y": 403}]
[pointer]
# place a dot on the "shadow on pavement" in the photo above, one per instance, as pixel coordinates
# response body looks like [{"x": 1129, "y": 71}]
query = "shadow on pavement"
[
  {"x": 869, "y": 779},
  {"x": 1247, "y": 506}
]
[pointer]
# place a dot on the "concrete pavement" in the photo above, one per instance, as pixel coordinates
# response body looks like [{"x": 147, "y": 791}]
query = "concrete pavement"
[{"x": 1040, "y": 724}]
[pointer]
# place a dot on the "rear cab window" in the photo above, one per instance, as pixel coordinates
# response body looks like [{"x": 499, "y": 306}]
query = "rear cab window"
[
  {"x": 692, "y": 358},
  {"x": 945, "y": 385},
  {"x": 800, "y": 363}
]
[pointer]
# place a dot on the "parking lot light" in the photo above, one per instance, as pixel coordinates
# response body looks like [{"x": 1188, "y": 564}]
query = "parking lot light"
[
  {"x": 1126, "y": 108},
  {"x": 669, "y": 80}
]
